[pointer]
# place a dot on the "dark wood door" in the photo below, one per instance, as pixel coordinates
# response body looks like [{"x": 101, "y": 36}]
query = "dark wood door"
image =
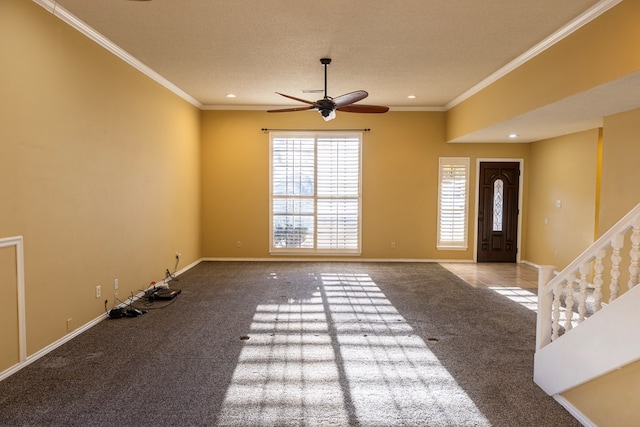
[{"x": 498, "y": 211}]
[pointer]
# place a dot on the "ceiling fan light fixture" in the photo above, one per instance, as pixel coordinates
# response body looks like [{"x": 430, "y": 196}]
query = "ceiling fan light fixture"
[{"x": 327, "y": 115}]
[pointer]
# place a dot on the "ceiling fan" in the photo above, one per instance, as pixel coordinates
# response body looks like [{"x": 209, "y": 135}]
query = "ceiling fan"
[{"x": 328, "y": 106}]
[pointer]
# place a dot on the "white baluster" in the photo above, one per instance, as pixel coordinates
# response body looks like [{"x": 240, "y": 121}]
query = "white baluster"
[
  {"x": 555, "y": 324},
  {"x": 634, "y": 253},
  {"x": 568, "y": 302},
  {"x": 616, "y": 244},
  {"x": 598, "y": 281},
  {"x": 582, "y": 307},
  {"x": 545, "y": 307}
]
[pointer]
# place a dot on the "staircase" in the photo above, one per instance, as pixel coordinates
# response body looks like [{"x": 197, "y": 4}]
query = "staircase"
[{"x": 589, "y": 312}]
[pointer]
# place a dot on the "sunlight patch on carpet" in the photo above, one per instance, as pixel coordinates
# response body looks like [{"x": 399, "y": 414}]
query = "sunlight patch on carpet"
[{"x": 341, "y": 354}]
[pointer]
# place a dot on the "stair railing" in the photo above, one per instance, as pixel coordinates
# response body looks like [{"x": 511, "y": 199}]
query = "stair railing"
[{"x": 576, "y": 293}]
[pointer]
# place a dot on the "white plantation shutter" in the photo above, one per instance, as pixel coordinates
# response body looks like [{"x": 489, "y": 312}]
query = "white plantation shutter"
[
  {"x": 452, "y": 203},
  {"x": 315, "y": 193},
  {"x": 293, "y": 166},
  {"x": 338, "y": 174},
  {"x": 292, "y": 189}
]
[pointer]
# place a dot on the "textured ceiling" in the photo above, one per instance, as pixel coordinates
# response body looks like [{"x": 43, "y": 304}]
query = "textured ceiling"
[{"x": 436, "y": 50}]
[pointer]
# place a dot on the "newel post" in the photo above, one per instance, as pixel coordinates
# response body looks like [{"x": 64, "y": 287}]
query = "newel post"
[{"x": 545, "y": 302}]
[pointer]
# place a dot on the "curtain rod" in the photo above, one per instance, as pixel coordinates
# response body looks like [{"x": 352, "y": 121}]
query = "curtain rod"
[{"x": 317, "y": 130}]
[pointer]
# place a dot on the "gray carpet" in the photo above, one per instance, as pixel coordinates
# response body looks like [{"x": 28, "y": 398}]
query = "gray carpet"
[{"x": 297, "y": 344}]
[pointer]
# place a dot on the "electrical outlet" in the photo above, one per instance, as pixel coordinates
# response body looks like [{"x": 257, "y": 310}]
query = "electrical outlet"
[
  {"x": 116, "y": 283},
  {"x": 393, "y": 245},
  {"x": 98, "y": 291},
  {"x": 238, "y": 244}
]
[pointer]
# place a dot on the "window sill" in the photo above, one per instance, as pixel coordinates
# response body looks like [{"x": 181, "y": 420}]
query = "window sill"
[
  {"x": 312, "y": 253},
  {"x": 452, "y": 248}
]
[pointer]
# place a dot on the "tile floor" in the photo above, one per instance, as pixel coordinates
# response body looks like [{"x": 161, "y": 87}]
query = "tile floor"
[
  {"x": 518, "y": 282},
  {"x": 491, "y": 275}
]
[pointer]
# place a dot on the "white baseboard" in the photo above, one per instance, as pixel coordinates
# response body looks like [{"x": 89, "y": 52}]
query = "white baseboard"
[
  {"x": 529, "y": 263},
  {"x": 46, "y": 350},
  {"x": 37, "y": 355},
  {"x": 582, "y": 418},
  {"x": 334, "y": 259}
]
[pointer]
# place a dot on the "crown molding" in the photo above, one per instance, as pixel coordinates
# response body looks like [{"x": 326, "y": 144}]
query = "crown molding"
[
  {"x": 226, "y": 107},
  {"x": 58, "y": 11},
  {"x": 589, "y": 15}
]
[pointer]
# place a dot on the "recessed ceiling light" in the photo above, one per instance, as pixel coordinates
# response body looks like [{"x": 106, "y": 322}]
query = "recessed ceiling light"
[
  {"x": 411, "y": 97},
  {"x": 513, "y": 135},
  {"x": 230, "y": 95}
]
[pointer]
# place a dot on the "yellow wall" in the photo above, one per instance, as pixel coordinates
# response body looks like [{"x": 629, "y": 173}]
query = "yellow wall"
[
  {"x": 100, "y": 172},
  {"x": 601, "y": 51},
  {"x": 620, "y": 171},
  {"x": 611, "y": 400},
  {"x": 399, "y": 180},
  {"x": 562, "y": 169}
]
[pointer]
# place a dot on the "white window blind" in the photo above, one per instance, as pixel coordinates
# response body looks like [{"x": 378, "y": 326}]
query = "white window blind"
[
  {"x": 315, "y": 193},
  {"x": 452, "y": 202}
]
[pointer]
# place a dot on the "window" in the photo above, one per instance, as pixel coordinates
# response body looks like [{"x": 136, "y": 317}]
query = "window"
[
  {"x": 315, "y": 193},
  {"x": 497, "y": 204},
  {"x": 452, "y": 202}
]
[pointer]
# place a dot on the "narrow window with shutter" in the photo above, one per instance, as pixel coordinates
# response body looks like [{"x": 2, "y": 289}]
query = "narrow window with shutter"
[
  {"x": 452, "y": 202},
  {"x": 315, "y": 193}
]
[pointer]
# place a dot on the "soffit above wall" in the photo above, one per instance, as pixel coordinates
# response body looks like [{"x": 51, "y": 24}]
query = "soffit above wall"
[{"x": 580, "y": 112}]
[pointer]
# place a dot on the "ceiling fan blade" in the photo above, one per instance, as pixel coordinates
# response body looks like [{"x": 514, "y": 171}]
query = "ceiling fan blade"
[
  {"x": 350, "y": 98},
  {"x": 361, "y": 108},
  {"x": 298, "y": 99},
  {"x": 285, "y": 110},
  {"x": 327, "y": 106}
]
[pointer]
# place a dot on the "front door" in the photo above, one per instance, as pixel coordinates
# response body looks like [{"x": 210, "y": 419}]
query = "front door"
[{"x": 498, "y": 211}]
